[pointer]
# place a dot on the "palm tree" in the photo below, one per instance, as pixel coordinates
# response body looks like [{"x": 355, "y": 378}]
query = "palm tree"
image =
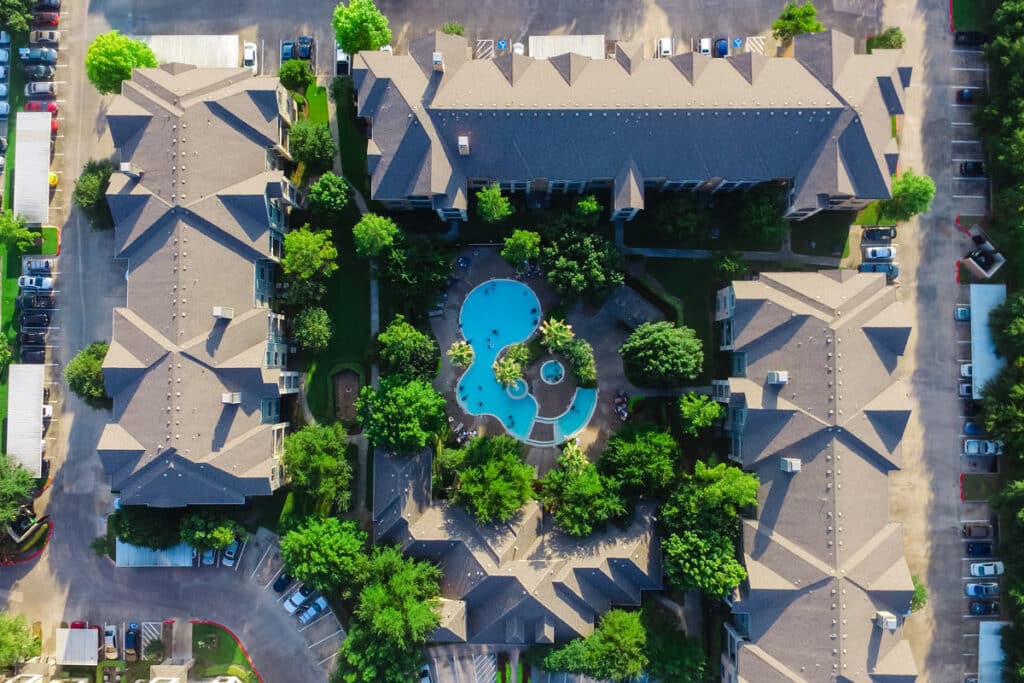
[
  {"x": 507, "y": 371},
  {"x": 461, "y": 354},
  {"x": 556, "y": 334}
]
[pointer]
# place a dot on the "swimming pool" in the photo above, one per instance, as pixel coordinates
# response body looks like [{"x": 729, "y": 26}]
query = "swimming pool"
[
  {"x": 552, "y": 372},
  {"x": 495, "y": 315}
]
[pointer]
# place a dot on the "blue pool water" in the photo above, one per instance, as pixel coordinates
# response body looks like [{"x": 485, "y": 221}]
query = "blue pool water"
[
  {"x": 552, "y": 372},
  {"x": 497, "y": 314}
]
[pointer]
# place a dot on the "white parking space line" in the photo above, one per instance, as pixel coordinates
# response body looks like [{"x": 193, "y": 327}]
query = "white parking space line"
[
  {"x": 340, "y": 630},
  {"x": 960, "y": 50},
  {"x": 962, "y": 123},
  {"x": 968, "y": 68},
  {"x": 966, "y": 142},
  {"x": 273, "y": 578},
  {"x": 253, "y": 575},
  {"x": 970, "y": 196},
  {"x": 328, "y": 658}
]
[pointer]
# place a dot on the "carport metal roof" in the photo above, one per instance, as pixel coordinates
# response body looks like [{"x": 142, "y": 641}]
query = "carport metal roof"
[
  {"x": 25, "y": 415},
  {"x": 990, "y": 650},
  {"x": 136, "y": 556},
  {"x": 32, "y": 167},
  {"x": 213, "y": 51},
  {"x": 543, "y": 47},
  {"x": 984, "y": 360},
  {"x": 77, "y": 647}
]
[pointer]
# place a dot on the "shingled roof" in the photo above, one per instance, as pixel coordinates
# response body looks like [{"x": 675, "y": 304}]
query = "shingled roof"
[
  {"x": 821, "y": 119},
  {"x": 192, "y": 221},
  {"x": 823, "y": 556},
  {"x": 517, "y": 583}
]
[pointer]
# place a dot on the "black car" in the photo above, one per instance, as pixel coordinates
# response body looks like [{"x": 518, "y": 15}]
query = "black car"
[
  {"x": 46, "y": 6},
  {"x": 970, "y": 38},
  {"x": 884, "y": 233},
  {"x": 33, "y": 302},
  {"x": 982, "y": 608},
  {"x": 33, "y": 319},
  {"x": 972, "y": 169},
  {"x": 282, "y": 582},
  {"x": 37, "y": 338},
  {"x": 33, "y": 354},
  {"x": 979, "y": 550},
  {"x": 971, "y": 409},
  {"x": 39, "y": 72},
  {"x": 305, "y": 47}
]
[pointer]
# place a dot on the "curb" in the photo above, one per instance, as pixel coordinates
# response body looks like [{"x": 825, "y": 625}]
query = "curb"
[
  {"x": 36, "y": 554},
  {"x": 237, "y": 642}
]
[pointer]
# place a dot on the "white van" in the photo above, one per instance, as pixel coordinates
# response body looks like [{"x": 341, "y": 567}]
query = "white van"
[
  {"x": 704, "y": 46},
  {"x": 664, "y": 47}
]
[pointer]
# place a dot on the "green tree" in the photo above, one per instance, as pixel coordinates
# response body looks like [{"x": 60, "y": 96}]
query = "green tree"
[
  {"x": 156, "y": 528},
  {"x": 16, "y": 15},
  {"x": 796, "y": 19},
  {"x": 580, "y": 265},
  {"x": 155, "y": 651},
  {"x": 761, "y": 218},
  {"x": 1006, "y": 321},
  {"x": 682, "y": 216},
  {"x": 588, "y": 206},
  {"x": 6, "y": 355},
  {"x": 374, "y": 235},
  {"x": 13, "y": 233},
  {"x": 328, "y": 196},
  {"x": 705, "y": 561},
  {"x": 494, "y": 480},
  {"x": 662, "y": 355},
  {"x": 580, "y": 498},
  {"x": 312, "y": 144},
  {"x": 890, "y": 39},
  {"x": 295, "y": 75},
  {"x": 327, "y": 553},
  {"x": 312, "y": 329},
  {"x": 579, "y": 354},
  {"x": 461, "y": 354},
  {"x": 206, "y": 530},
  {"x": 556, "y": 334},
  {"x": 617, "y": 649},
  {"x": 920, "y": 597},
  {"x": 672, "y": 655},
  {"x": 506, "y": 371},
  {"x": 453, "y": 28},
  {"x": 697, "y": 412},
  {"x": 711, "y": 499},
  {"x": 308, "y": 254},
  {"x": 360, "y": 26},
  {"x": 643, "y": 458},
  {"x": 90, "y": 193},
  {"x": 16, "y": 488},
  {"x": 730, "y": 265},
  {"x": 421, "y": 268},
  {"x": 521, "y": 246},
  {"x": 911, "y": 194},
  {"x": 16, "y": 640},
  {"x": 400, "y": 415},
  {"x": 111, "y": 58},
  {"x": 304, "y": 293},
  {"x": 316, "y": 460},
  {"x": 84, "y": 374},
  {"x": 491, "y": 205},
  {"x": 406, "y": 352}
]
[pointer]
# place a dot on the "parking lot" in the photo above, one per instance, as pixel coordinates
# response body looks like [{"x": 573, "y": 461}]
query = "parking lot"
[{"x": 970, "y": 193}]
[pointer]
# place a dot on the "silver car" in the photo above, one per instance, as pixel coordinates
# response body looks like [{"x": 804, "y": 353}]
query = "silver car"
[
  {"x": 316, "y": 608},
  {"x": 40, "y": 89}
]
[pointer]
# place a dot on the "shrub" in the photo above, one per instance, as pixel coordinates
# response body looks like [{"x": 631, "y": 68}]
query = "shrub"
[
  {"x": 662, "y": 355},
  {"x": 312, "y": 144},
  {"x": 295, "y": 75},
  {"x": 491, "y": 205},
  {"x": 313, "y": 329},
  {"x": 453, "y": 28},
  {"x": 84, "y": 374},
  {"x": 90, "y": 193}
]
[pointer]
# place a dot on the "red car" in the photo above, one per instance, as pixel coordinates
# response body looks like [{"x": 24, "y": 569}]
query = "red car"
[
  {"x": 77, "y": 624},
  {"x": 53, "y": 126},
  {"x": 36, "y": 105},
  {"x": 45, "y": 19}
]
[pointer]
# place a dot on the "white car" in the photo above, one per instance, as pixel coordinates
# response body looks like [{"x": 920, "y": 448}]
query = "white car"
[
  {"x": 986, "y": 568},
  {"x": 982, "y": 447},
  {"x": 966, "y": 370},
  {"x": 297, "y": 599},
  {"x": 664, "y": 48},
  {"x": 880, "y": 253},
  {"x": 35, "y": 282},
  {"x": 249, "y": 58},
  {"x": 110, "y": 641},
  {"x": 704, "y": 47},
  {"x": 47, "y": 411},
  {"x": 316, "y": 608},
  {"x": 230, "y": 554}
]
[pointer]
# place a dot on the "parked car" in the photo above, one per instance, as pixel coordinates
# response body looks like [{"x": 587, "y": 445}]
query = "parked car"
[
  {"x": 305, "y": 47},
  {"x": 35, "y": 282},
  {"x": 970, "y": 38},
  {"x": 46, "y": 19},
  {"x": 966, "y": 370},
  {"x": 34, "y": 319},
  {"x": 299, "y": 598},
  {"x": 425, "y": 674},
  {"x": 973, "y": 429},
  {"x": 316, "y": 608},
  {"x": 965, "y": 390},
  {"x": 110, "y": 641},
  {"x": 518, "y": 49},
  {"x": 44, "y": 89},
  {"x": 5, "y": 56},
  {"x": 975, "y": 531},
  {"x": 38, "y": 55},
  {"x": 34, "y": 301},
  {"x": 981, "y": 608},
  {"x": 38, "y": 72},
  {"x": 663, "y": 48},
  {"x": 3, "y": 77},
  {"x": 5, "y": 110},
  {"x": 249, "y": 57},
  {"x": 965, "y": 96},
  {"x": 5, "y": 39},
  {"x": 387, "y": 48},
  {"x": 282, "y": 582},
  {"x": 722, "y": 47},
  {"x": 209, "y": 558},
  {"x": 3, "y": 91},
  {"x": 972, "y": 169},
  {"x": 78, "y": 625},
  {"x": 981, "y": 590},
  {"x": 47, "y": 6},
  {"x": 879, "y": 253},
  {"x": 704, "y": 46},
  {"x": 979, "y": 550},
  {"x": 287, "y": 50},
  {"x": 37, "y": 105},
  {"x": 132, "y": 642},
  {"x": 891, "y": 270},
  {"x": 884, "y": 233},
  {"x": 230, "y": 554},
  {"x": 32, "y": 338},
  {"x": 962, "y": 314},
  {"x": 38, "y": 266},
  {"x": 33, "y": 354},
  {"x": 341, "y": 61},
  {"x": 44, "y": 38},
  {"x": 982, "y": 447},
  {"x": 987, "y": 568}
]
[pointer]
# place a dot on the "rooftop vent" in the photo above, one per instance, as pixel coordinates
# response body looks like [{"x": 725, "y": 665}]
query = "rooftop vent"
[
  {"x": 231, "y": 398},
  {"x": 886, "y": 620},
  {"x": 778, "y": 377},
  {"x": 438, "y": 62},
  {"x": 790, "y": 464},
  {"x": 464, "y": 145},
  {"x": 131, "y": 170},
  {"x": 223, "y": 312}
]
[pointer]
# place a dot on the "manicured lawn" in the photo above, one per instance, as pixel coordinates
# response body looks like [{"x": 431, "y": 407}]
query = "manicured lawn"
[
  {"x": 824, "y": 234},
  {"x": 316, "y": 101},
  {"x": 872, "y": 214},
  {"x": 980, "y": 486},
  {"x": 217, "y": 654},
  {"x": 352, "y": 134},
  {"x": 973, "y": 15}
]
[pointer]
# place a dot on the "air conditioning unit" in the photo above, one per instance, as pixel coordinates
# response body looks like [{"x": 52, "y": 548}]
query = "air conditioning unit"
[
  {"x": 464, "y": 145},
  {"x": 778, "y": 377},
  {"x": 232, "y": 398},
  {"x": 790, "y": 464},
  {"x": 223, "y": 312},
  {"x": 886, "y": 620}
]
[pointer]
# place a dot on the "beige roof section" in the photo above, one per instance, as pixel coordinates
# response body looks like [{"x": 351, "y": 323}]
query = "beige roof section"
[
  {"x": 823, "y": 556},
  {"x": 192, "y": 221}
]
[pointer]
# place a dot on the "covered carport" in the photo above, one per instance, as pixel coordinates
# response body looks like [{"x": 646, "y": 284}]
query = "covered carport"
[
  {"x": 25, "y": 416},
  {"x": 77, "y": 647},
  {"x": 544, "y": 47},
  {"x": 985, "y": 363},
  {"x": 32, "y": 167},
  {"x": 136, "y": 556},
  {"x": 206, "y": 52},
  {"x": 990, "y": 651}
]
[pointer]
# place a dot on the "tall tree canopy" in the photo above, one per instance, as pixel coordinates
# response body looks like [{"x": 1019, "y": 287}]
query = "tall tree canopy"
[
  {"x": 662, "y": 355},
  {"x": 617, "y": 649},
  {"x": 360, "y": 26},
  {"x": 400, "y": 415},
  {"x": 582, "y": 499},
  {"x": 16, "y": 488},
  {"x": 111, "y": 58},
  {"x": 326, "y": 553},
  {"x": 407, "y": 352},
  {"x": 309, "y": 253},
  {"x": 316, "y": 460},
  {"x": 493, "y": 479},
  {"x": 796, "y": 19}
]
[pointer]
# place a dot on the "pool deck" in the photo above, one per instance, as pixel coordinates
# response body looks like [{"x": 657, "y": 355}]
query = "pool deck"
[{"x": 597, "y": 326}]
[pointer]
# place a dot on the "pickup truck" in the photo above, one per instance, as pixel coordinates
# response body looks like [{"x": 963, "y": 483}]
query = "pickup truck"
[{"x": 976, "y": 531}]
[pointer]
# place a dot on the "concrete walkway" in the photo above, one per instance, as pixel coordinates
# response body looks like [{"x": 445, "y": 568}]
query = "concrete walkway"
[{"x": 785, "y": 254}]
